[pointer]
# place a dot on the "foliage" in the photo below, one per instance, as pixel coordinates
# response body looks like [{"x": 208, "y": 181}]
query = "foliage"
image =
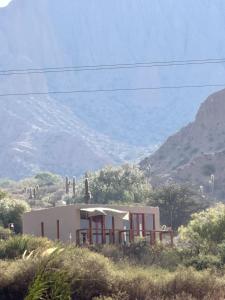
[
  {"x": 203, "y": 261},
  {"x": 15, "y": 278},
  {"x": 125, "y": 184},
  {"x": 5, "y": 233},
  {"x": 2, "y": 194},
  {"x": 49, "y": 286},
  {"x": 11, "y": 211},
  {"x": 205, "y": 231},
  {"x": 48, "y": 187},
  {"x": 49, "y": 283},
  {"x": 140, "y": 253},
  {"x": 176, "y": 203},
  {"x": 16, "y": 246},
  {"x": 47, "y": 178},
  {"x": 84, "y": 275}
]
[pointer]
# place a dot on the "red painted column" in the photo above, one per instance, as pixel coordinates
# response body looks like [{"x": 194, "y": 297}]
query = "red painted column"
[
  {"x": 42, "y": 229},
  {"x": 154, "y": 237},
  {"x": 143, "y": 225},
  {"x": 90, "y": 230},
  {"x": 131, "y": 237},
  {"x": 57, "y": 228},
  {"x": 103, "y": 229},
  {"x": 113, "y": 230}
]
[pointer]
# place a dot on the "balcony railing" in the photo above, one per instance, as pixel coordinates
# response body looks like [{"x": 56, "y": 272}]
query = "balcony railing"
[{"x": 110, "y": 236}]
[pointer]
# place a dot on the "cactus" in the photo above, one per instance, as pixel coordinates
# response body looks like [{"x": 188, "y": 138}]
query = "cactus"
[
  {"x": 34, "y": 193},
  {"x": 74, "y": 187},
  {"x": 30, "y": 193},
  {"x": 67, "y": 185},
  {"x": 87, "y": 192}
]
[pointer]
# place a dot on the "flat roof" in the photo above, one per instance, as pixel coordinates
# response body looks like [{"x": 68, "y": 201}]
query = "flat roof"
[{"x": 83, "y": 205}]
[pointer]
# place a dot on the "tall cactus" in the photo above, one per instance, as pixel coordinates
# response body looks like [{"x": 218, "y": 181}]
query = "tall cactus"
[
  {"x": 67, "y": 185},
  {"x": 34, "y": 193},
  {"x": 30, "y": 193},
  {"x": 74, "y": 187},
  {"x": 87, "y": 192}
]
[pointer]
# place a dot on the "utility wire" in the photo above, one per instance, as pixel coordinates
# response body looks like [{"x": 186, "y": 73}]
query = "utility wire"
[
  {"x": 115, "y": 90},
  {"x": 111, "y": 66}
]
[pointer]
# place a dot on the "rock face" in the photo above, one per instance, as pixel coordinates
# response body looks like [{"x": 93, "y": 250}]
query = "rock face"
[
  {"x": 70, "y": 133},
  {"x": 40, "y": 135},
  {"x": 197, "y": 151}
]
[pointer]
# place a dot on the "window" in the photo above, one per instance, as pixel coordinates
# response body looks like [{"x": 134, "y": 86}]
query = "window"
[
  {"x": 149, "y": 222},
  {"x": 109, "y": 222},
  {"x": 84, "y": 220}
]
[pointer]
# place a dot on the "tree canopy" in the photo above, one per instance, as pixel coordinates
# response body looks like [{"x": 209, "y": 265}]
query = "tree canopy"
[
  {"x": 47, "y": 178},
  {"x": 11, "y": 211},
  {"x": 125, "y": 184},
  {"x": 206, "y": 229},
  {"x": 176, "y": 203}
]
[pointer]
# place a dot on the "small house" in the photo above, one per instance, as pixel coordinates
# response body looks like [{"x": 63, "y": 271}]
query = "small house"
[{"x": 85, "y": 224}]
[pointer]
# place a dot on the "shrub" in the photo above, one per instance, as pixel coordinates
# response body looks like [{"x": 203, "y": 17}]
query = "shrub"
[
  {"x": 11, "y": 211},
  {"x": 15, "y": 277},
  {"x": 141, "y": 253},
  {"x": 202, "y": 262},
  {"x": 15, "y": 246},
  {"x": 50, "y": 283},
  {"x": 205, "y": 230},
  {"x": 77, "y": 273},
  {"x": 47, "y": 178},
  {"x": 5, "y": 233}
]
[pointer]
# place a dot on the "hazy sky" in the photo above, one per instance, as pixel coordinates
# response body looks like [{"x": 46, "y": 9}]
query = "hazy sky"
[{"x": 4, "y": 3}]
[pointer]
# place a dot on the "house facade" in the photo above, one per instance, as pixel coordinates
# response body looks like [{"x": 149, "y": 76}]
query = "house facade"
[{"x": 97, "y": 224}]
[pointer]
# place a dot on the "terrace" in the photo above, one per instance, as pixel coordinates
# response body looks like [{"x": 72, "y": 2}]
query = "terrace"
[{"x": 111, "y": 226}]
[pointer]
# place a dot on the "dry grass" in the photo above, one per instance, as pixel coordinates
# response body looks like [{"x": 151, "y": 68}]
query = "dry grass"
[{"x": 92, "y": 276}]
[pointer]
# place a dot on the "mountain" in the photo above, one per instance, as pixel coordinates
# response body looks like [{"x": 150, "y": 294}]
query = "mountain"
[
  {"x": 88, "y": 130},
  {"x": 196, "y": 154}
]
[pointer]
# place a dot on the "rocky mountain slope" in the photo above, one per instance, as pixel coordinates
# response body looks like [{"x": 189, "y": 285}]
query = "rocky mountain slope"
[
  {"x": 69, "y": 133},
  {"x": 195, "y": 154},
  {"x": 44, "y": 135}
]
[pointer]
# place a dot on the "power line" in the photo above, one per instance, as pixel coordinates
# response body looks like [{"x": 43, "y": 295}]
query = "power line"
[
  {"x": 111, "y": 66},
  {"x": 114, "y": 90}
]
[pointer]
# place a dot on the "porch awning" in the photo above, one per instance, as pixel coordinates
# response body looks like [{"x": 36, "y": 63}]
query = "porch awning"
[{"x": 96, "y": 211}]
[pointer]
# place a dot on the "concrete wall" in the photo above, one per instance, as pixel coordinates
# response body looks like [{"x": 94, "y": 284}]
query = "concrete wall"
[{"x": 69, "y": 221}]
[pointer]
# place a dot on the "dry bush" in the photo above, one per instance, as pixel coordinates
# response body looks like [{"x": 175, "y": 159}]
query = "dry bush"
[
  {"x": 15, "y": 246},
  {"x": 90, "y": 275}
]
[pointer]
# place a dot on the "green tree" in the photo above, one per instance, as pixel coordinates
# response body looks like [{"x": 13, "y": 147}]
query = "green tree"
[
  {"x": 11, "y": 211},
  {"x": 47, "y": 178},
  {"x": 125, "y": 184},
  {"x": 176, "y": 203},
  {"x": 205, "y": 231},
  {"x": 2, "y": 194}
]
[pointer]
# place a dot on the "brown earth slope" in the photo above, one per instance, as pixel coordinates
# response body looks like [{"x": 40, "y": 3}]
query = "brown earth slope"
[{"x": 196, "y": 152}]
